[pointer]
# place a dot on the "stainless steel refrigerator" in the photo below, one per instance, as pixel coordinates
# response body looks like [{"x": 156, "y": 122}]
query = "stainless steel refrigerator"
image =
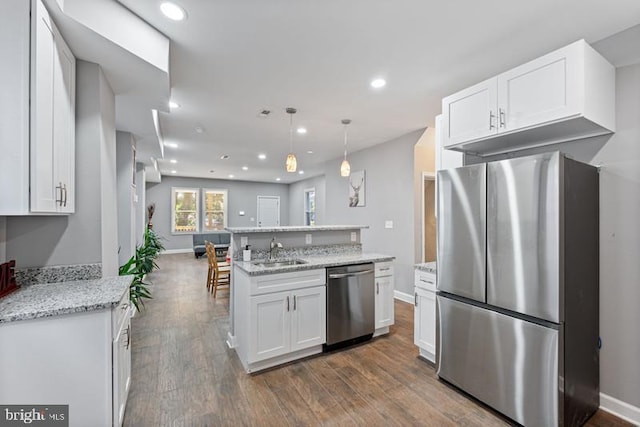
[{"x": 517, "y": 301}]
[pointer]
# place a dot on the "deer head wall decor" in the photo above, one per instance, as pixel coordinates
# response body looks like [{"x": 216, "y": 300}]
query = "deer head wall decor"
[{"x": 356, "y": 196}]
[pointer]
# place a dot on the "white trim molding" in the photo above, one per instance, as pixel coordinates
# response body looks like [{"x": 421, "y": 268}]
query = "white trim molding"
[
  {"x": 620, "y": 409},
  {"x": 404, "y": 297},
  {"x": 177, "y": 251}
]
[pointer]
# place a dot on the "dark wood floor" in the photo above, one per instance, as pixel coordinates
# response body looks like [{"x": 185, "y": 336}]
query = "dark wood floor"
[{"x": 184, "y": 374}]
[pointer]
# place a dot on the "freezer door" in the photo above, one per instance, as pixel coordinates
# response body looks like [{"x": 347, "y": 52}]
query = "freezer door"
[
  {"x": 523, "y": 235},
  {"x": 508, "y": 363},
  {"x": 462, "y": 231}
]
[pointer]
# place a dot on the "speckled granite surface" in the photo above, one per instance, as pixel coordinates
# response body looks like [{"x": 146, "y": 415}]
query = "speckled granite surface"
[
  {"x": 294, "y": 228},
  {"x": 429, "y": 267},
  {"x": 53, "y": 299},
  {"x": 58, "y": 273},
  {"x": 308, "y": 251},
  {"x": 312, "y": 262}
]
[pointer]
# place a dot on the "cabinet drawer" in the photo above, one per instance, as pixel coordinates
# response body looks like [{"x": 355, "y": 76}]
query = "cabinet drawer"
[
  {"x": 120, "y": 313},
  {"x": 384, "y": 269},
  {"x": 425, "y": 280},
  {"x": 287, "y": 281}
]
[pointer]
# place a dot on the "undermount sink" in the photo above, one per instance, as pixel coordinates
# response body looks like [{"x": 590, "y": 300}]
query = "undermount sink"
[{"x": 278, "y": 263}]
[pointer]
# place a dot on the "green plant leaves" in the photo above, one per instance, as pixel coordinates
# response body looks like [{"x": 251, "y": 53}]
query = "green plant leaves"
[{"x": 140, "y": 264}]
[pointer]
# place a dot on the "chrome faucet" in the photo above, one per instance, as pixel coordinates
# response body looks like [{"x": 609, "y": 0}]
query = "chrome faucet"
[{"x": 273, "y": 245}]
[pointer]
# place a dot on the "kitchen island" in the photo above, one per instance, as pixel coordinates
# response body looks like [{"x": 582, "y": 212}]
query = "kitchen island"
[{"x": 278, "y": 299}]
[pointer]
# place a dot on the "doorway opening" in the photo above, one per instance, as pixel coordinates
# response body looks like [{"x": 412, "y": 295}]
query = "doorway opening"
[{"x": 429, "y": 228}]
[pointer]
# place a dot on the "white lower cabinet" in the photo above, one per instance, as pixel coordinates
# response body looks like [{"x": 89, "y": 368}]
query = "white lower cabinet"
[
  {"x": 384, "y": 311},
  {"x": 287, "y": 321},
  {"x": 82, "y": 360},
  {"x": 272, "y": 328},
  {"x": 424, "y": 333}
]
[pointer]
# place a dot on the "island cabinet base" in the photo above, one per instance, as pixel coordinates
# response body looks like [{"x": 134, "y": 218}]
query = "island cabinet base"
[{"x": 278, "y": 317}]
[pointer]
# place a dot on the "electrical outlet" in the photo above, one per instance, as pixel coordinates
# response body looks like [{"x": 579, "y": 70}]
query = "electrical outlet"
[
  {"x": 388, "y": 224},
  {"x": 244, "y": 241},
  {"x": 307, "y": 239},
  {"x": 353, "y": 236}
]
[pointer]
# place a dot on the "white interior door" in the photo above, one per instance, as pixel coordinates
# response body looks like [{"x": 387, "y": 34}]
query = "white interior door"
[{"x": 268, "y": 211}]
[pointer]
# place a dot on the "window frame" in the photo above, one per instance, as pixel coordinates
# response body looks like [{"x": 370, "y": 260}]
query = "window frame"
[
  {"x": 175, "y": 190},
  {"x": 304, "y": 208},
  {"x": 225, "y": 209}
]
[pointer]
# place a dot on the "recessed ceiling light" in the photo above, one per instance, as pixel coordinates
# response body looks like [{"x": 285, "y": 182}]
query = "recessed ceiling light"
[
  {"x": 310, "y": 152},
  {"x": 199, "y": 129},
  {"x": 211, "y": 171},
  {"x": 245, "y": 168},
  {"x": 174, "y": 171},
  {"x": 173, "y": 105},
  {"x": 262, "y": 156},
  {"x": 231, "y": 175},
  {"x": 224, "y": 157},
  {"x": 378, "y": 83},
  {"x": 277, "y": 179},
  {"x": 301, "y": 130},
  {"x": 264, "y": 113},
  {"x": 173, "y": 161},
  {"x": 171, "y": 144},
  {"x": 301, "y": 172},
  {"x": 173, "y": 11}
]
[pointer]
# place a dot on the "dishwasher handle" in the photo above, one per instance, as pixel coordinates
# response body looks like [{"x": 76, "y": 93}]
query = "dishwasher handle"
[{"x": 341, "y": 275}]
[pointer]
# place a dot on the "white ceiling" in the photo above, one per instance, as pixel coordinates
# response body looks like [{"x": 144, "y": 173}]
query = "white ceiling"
[{"x": 232, "y": 58}]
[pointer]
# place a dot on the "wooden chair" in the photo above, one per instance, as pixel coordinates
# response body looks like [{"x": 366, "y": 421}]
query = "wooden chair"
[{"x": 219, "y": 274}]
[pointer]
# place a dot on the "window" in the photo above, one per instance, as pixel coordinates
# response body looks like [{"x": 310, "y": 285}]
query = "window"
[
  {"x": 184, "y": 210},
  {"x": 310, "y": 206},
  {"x": 215, "y": 209}
]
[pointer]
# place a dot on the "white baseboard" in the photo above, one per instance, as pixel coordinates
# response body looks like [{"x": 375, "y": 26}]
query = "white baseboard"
[
  {"x": 403, "y": 297},
  {"x": 177, "y": 251},
  {"x": 231, "y": 340},
  {"x": 620, "y": 409}
]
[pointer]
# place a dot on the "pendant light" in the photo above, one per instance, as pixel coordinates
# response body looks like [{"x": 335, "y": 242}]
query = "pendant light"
[
  {"x": 345, "y": 167},
  {"x": 291, "y": 163}
]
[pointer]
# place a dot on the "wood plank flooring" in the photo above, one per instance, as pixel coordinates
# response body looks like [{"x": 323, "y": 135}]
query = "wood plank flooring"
[{"x": 183, "y": 374}]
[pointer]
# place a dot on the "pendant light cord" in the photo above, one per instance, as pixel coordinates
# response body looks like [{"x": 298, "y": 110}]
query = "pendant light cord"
[{"x": 291, "y": 132}]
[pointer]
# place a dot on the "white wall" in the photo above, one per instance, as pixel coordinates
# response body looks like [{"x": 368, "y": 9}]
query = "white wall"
[
  {"x": 141, "y": 207},
  {"x": 389, "y": 196},
  {"x": 3, "y": 239},
  {"x": 296, "y": 200},
  {"x": 125, "y": 143}
]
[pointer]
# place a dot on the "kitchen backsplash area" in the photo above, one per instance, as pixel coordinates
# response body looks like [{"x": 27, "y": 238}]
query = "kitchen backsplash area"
[{"x": 58, "y": 273}]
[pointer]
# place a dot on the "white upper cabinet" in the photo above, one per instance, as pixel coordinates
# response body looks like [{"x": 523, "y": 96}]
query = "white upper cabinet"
[
  {"x": 39, "y": 139},
  {"x": 565, "y": 95}
]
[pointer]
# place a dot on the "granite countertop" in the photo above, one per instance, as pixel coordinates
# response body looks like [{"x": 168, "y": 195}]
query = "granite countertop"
[
  {"x": 53, "y": 299},
  {"x": 312, "y": 262},
  {"x": 429, "y": 267},
  {"x": 294, "y": 228}
]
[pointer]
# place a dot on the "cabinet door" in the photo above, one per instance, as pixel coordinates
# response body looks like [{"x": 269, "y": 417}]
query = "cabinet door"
[
  {"x": 64, "y": 85},
  {"x": 44, "y": 192},
  {"x": 424, "y": 334},
  {"x": 308, "y": 318},
  {"x": 384, "y": 301},
  {"x": 445, "y": 159},
  {"x": 540, "y": 91},
  {"x": 470, "y": 114},
  {"x": 270, "y": 326}
]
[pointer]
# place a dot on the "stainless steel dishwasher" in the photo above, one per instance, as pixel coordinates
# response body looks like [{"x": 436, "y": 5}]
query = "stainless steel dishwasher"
[{"x": 350, "y": 305}]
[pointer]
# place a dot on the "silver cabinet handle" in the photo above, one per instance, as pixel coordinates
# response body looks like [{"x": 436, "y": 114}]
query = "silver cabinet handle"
[
  {"x": 294, "y": 303},
  {"x": 125, "y": 306},
  {"x": 341, "y": 275},
  {"x": 491, "y": 117},
  {"x": 426, "y": 281},
  {"x": 415, "y": 297},
  {"x": 502, "y": 117},
  {"x": 59, "y": 187},
  {"x": 64, "y": 188},
  {"x": 128, "y": 337},
  {"x": 377, "y": 288},
  {"x": 385, "y": 269},
  {"x": 287, "y": 303}
]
